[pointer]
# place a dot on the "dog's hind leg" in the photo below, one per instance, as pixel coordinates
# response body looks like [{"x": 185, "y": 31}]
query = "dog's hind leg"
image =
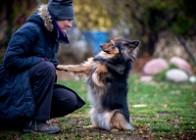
[
  {"x": 91, "y": 127},
  {"x": 94, "y": 125},
  {"x": 118, "y": 121}
]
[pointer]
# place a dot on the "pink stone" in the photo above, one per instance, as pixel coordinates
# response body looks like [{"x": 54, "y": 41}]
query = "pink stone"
[
  {"x": 155, "y": 66},
  {"x": 181, "y": 64}
]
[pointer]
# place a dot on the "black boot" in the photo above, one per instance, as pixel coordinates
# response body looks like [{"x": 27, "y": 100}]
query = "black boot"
[{"x": 43, "y": 127}]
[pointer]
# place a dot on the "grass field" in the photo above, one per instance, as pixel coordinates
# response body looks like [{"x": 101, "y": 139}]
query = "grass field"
[{"x": 158, "y": 110}]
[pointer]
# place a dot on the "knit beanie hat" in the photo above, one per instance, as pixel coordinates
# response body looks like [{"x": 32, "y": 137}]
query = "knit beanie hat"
[{"x": 61, "y": 9}]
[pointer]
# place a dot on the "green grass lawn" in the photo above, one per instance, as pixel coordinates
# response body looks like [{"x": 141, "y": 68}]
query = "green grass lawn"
[{"x": 158, "y": 111}]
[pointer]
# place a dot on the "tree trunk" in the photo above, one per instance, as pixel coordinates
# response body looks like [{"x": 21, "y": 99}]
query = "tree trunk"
[{"x": 152, "y": 40}]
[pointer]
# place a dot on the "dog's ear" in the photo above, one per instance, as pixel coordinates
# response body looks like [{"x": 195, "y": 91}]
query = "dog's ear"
[
  {"x": 132, "y": 44},
  {"x": 135, "y": 43}
]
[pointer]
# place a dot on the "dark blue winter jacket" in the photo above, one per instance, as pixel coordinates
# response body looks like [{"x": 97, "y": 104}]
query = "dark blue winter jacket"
[{"x": 37, "y": 40}]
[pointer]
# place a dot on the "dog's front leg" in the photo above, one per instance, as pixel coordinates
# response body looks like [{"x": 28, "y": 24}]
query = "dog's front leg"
[
  {"x": 73, "y": 68},
  {"x": 62, "y": 67},
  {"x": 81, "y": 68},
  {"x": 120, "y": 69}
]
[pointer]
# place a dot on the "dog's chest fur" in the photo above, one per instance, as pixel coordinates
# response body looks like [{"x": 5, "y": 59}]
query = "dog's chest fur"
[
  {"x": 101, "y": 87},
  {"x": 97, "y": 84}
]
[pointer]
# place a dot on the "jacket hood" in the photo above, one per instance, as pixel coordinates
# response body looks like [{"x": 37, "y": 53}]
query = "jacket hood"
[{"x": 43, "y": 18}]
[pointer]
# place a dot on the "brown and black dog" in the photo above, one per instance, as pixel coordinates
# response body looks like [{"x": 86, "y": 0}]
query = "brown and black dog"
[{"x": 107, "y": 74}]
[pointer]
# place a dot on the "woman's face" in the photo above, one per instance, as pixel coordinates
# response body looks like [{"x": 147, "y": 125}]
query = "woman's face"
[{"x": 64, "y": 24}]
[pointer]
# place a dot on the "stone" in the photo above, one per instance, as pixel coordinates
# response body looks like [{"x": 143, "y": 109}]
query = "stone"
[
  {"x": 192, "y": 79},
  {"x": 181, "y": 64},
  {"x": 155, "y": 66},
  {"x": 177, "y": 75}
]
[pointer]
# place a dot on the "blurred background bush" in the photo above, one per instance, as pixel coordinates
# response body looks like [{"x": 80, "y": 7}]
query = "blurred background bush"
[{"x": 165, "y": 28}]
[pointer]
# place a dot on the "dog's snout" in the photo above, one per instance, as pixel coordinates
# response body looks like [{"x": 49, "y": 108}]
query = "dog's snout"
[{"x": 101, "y": 45}]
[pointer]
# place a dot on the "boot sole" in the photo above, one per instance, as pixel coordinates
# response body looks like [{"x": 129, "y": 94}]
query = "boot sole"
[{"x": 44, "y": 132}]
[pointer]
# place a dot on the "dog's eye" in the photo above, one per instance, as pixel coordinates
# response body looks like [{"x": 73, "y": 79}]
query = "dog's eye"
[{"x": 113, "y": 47}]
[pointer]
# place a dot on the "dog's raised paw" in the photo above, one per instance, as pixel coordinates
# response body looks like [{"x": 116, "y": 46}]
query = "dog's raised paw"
[{"x": 61, "y": 67}]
